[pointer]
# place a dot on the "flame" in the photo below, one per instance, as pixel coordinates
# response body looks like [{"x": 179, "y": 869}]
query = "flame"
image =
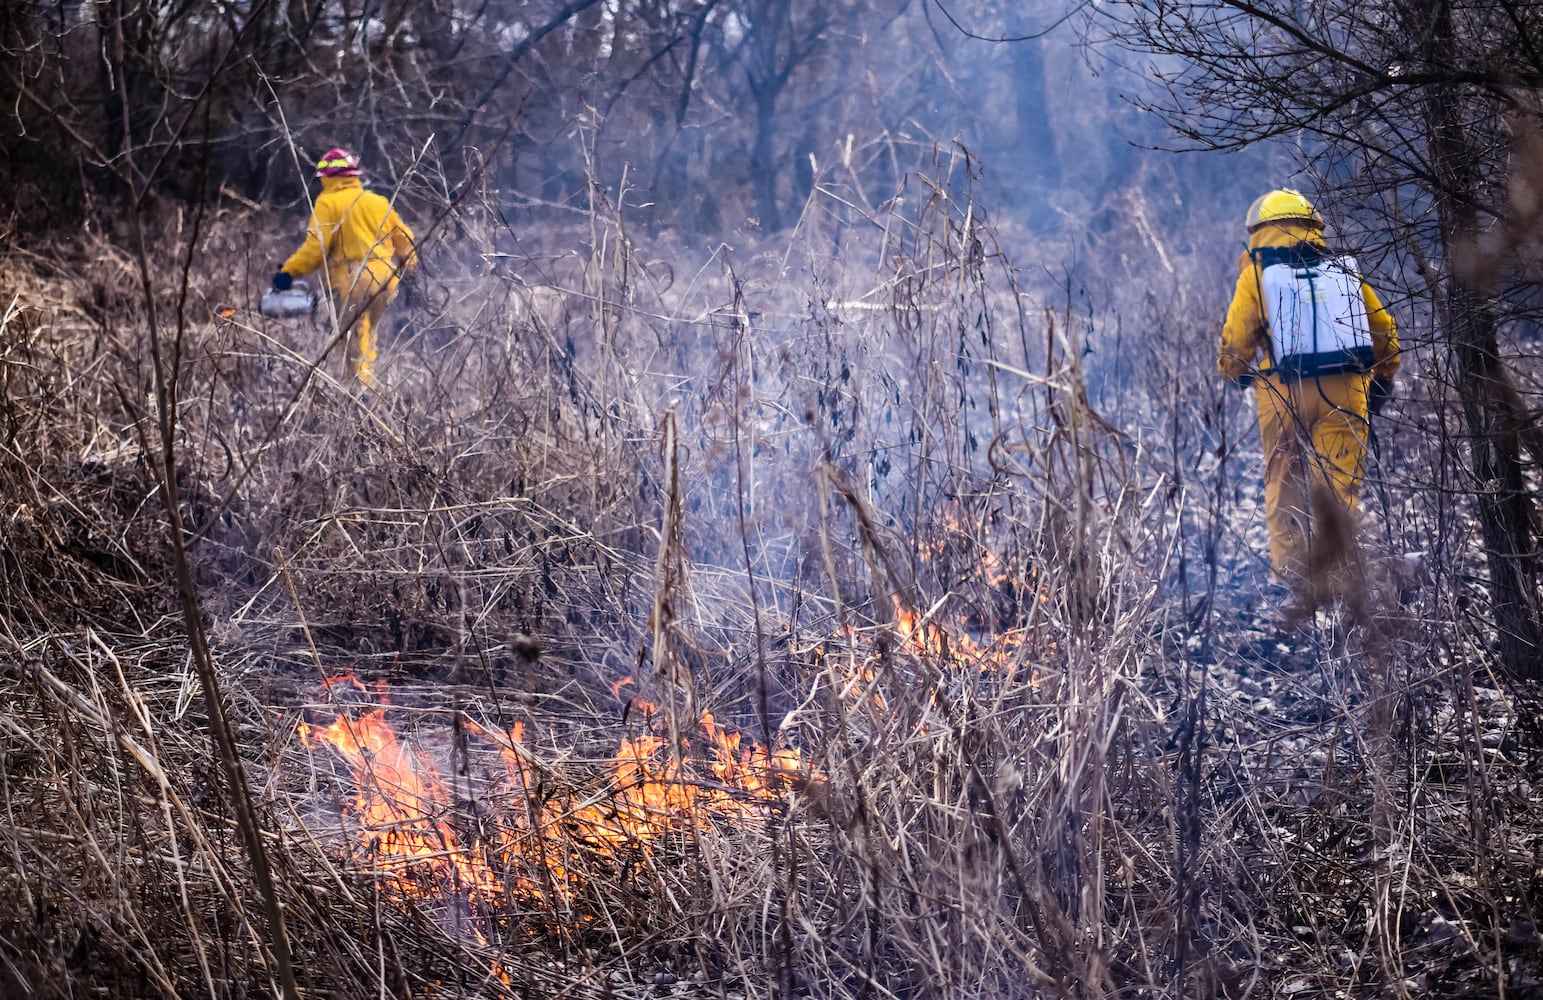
[
  {"x": 540, "y": 848},
  {"x": 401, "y": 804},
  {"x": 960, "y": 645},
  {"x": 537, "y": 833},
  {"x": 957, "y": 647},
  {"x": 958, "y": 531}
]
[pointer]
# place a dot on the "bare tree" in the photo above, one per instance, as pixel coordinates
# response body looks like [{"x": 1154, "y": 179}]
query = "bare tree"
[{"x": 722, "y": 109}]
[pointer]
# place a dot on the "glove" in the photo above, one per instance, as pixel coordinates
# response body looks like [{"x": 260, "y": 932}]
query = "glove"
[
  {"x": 282, "y": 282},
  {"x": 1378, "y": 394}
]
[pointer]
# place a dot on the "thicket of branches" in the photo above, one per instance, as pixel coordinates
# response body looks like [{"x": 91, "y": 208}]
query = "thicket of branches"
[{"x": 723, "y": 109}]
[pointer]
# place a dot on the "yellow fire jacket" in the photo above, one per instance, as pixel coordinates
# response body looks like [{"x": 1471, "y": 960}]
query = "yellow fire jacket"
[
  {"x": 353, "y": 228},
  {"x": 1245, "y": 336}
]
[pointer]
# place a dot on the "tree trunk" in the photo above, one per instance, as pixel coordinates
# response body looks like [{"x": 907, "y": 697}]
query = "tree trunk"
[
  {"x": 763, "y": 162},
  {"x": 1490, "y": 408},
  {"x": 1504, "y": 503},
  {"x": 112, "y": 75}
]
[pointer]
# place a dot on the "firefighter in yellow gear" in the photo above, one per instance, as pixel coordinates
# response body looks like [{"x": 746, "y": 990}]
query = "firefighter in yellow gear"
[
  {"x": 365, "y": 248},
  {"x": 1321, "y": 352}
]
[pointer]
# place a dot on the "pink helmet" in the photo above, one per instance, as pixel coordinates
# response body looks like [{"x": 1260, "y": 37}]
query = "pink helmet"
[{"x": 337, "y": 163}]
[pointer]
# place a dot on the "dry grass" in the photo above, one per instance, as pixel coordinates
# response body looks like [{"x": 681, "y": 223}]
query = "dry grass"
[{"x": 864, "y": 512}]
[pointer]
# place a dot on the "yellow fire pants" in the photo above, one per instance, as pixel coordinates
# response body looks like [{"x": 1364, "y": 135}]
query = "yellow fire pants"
[
  {"x": 1314, "y": 433},
  {"x": 365, "y": 293}
]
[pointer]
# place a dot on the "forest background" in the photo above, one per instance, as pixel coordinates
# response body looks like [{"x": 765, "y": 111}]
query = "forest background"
[{"x": 800, "y": 546}]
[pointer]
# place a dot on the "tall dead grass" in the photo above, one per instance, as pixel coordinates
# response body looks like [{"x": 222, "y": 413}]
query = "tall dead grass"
[{"x": 854, "y": 503}]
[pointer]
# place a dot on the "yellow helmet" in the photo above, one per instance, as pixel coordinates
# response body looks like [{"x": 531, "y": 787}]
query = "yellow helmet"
[{"x": 1283, "y": 205}]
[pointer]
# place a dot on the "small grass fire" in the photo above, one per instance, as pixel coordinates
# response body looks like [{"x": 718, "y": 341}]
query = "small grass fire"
[
  {"x": 484, "y": 830},
  {"x": 475, "y": 820}
]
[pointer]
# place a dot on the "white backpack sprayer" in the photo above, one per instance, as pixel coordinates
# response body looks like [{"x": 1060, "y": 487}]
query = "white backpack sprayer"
[{"x": 1317, "y": 318}]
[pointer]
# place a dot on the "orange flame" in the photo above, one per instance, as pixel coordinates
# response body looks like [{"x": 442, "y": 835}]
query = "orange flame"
[
  {"x": 957, "y": 647},
  {"x": 953, "y": 645},
  {"x": 402, "y": 809},
  {"x": 545, "y": 847}
]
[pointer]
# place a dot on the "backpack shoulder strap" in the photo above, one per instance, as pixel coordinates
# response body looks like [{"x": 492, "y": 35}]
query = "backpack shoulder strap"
[{"x": 1301, "y": 255}]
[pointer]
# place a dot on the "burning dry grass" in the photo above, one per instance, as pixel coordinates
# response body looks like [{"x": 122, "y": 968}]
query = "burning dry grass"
[{"x": 851, "y": 677}]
